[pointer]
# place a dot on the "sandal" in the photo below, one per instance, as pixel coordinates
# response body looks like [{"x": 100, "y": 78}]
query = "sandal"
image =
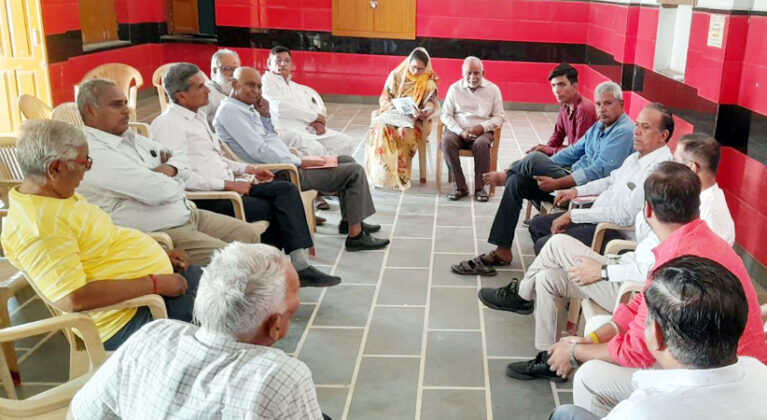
[
  {"x": 321, "y": 204},
  {"x": 457, "y": 195},
  {"x": 492, "y": 259},
  {"x": 473, "y": 268},
  {"x": 482, "y": 196}
]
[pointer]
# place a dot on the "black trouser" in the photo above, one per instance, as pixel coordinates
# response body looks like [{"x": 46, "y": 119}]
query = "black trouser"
[
  {"x": 277, "y": 202},
  {"x": 540, "y": 231},
  {"x": 520, "y": 184},
  {"x": 179, "y": 307}
]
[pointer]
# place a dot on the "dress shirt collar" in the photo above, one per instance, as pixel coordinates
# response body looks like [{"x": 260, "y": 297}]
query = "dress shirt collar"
[
  {"x": 576, "y": 104},
  {"x": 465, "y": 85},
  {"x": 225, "y": 342},
  {"x": 219, "y": 88},
  {"x": 670, "y": 246},
  {"x": 184, "y": 112},
  {"x": 679, "y": 378},
  {"x": 239, "y": 104},
  {"x": 615, "y": 124},
  {"x": 707, "y": 195},
  {"x": 108, "y": 139},
  {"x": 663, "y": 150}
]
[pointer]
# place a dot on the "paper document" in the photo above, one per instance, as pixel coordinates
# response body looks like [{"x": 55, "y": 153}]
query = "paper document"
[
  {"x": 330, "y": 162},
  {"x": 405, "y": 105}
]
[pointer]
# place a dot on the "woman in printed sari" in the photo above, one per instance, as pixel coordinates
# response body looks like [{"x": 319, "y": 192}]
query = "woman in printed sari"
[{"x": 392, "y": 142}]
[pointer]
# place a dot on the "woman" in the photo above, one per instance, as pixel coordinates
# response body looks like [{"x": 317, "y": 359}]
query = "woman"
[{"x": 393, "y": 140}]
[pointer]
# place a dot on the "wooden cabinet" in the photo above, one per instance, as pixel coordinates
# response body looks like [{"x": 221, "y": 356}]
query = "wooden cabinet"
[
  {"x": 22, "y": 60},
  {"x": 183, "y": 17},
  {"x": 374, "y": 18},
  {"x": 98, "y": 21}
]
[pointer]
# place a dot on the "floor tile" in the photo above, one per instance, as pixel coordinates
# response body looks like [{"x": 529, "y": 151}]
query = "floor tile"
[
  {"x": 454, "y": 308},
  {"x": 509, "y": 334},
  {"x": 442, "y": 275},
  {"x": 310, "y": 294},
  {"x": 297, "y": 327},
  {"x": 397, "y": 331},
  {"x": 454, "y": 239},
  {"x": 415, "y": 226},
  {"x": 441, "y": 404},
  {"x": 417, "y": 204},
  {"x": 360, "y": 267},
  {"x": 403, "y": 287},
  {"x": 409, "y": 253},
  {"x": 326, "y": 249},
  {"x": 331, "y": 354},
  {"x": 512, "y": 398},
  {"x": 345, "y": 306},
  {"x": 332, "y": 401},
  {"x": 455, "y": 215},
  {"x": 454, "y": 359},
  {"x": 386, "y": 389}
]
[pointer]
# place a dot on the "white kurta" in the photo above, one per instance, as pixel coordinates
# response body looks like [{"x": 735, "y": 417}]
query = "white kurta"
[{"x": 293, "y": 107}]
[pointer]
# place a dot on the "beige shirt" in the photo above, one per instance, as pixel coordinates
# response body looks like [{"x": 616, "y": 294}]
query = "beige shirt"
[{"x": 464, "y": 108}]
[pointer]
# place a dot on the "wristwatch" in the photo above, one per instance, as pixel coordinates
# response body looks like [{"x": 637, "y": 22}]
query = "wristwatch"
[{"x": 603, "y": 274}]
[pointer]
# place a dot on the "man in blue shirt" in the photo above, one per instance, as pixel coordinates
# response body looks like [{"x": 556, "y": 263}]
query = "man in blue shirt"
[
  {"x": 603, "y": 148},
  {"x": 243, "y": 121}
]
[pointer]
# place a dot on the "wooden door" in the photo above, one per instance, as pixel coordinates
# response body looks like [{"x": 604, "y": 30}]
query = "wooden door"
[
  {"x": 98, "y": 21},
  {"x": 23, "y": 66},
  {"x": 183, "y": 17},
  {"x": 374, "y": 18}
]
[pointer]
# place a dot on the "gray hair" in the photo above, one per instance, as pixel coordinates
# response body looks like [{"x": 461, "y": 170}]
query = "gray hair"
[
  {"x": 609, "y": 87},
  {"x": 43, "y": 141},
  {"x": 176, "y": 79},
  {"x": 471, "y": 59},
  {"x": 216, "y": 59},
  {"x": 241, "y": 287},
  {"x": 89, "y": 93}
]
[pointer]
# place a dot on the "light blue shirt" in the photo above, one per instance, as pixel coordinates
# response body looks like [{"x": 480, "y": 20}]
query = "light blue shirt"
[
  {"x": 599, "y": 151},
  {"x": 249, "y": 135}
]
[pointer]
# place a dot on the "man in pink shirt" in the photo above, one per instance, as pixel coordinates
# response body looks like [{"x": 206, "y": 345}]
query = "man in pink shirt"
[
  {"x": 615, "y": 350},
  {"x": 576, "y": 114}
]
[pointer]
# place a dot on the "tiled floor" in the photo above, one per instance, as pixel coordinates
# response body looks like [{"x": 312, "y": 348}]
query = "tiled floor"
[{"x": 402, "y": 337}]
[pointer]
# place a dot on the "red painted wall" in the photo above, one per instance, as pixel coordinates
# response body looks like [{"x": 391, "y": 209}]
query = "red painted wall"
[
  {"x": 60, "y": 16},
  {"x": 753, "y": 84},
  {"x": 140, "y": 11}
]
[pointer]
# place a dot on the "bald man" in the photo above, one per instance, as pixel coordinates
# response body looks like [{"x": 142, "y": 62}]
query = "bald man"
[{"x": 243, "y": 121}]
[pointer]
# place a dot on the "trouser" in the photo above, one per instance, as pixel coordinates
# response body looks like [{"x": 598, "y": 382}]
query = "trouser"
[
  {"x": 277, "y": 202},
  {"x": 480, "y": 148},
  {"x": 178, "y": 307},
  {"x": 206, "y": 232},
  {"x": 349, "y": 181},
  {"x": 572, "y": 412},
  {"x": 599, "y": 386},
  {"x": 540, "y": 231},
  {"x": 520, "y": 184},
  {"x": 547, "y": 282},
  {"x": 308, "y": 144}
]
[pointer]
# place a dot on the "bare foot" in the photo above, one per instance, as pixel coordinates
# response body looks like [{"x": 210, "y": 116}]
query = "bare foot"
[{"x": 494, "y": 178}]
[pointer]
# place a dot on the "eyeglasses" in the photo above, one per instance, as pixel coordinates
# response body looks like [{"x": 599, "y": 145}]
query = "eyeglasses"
[
  {"x": 87, "y": 163},
  {"x": 227, "y": 69}
]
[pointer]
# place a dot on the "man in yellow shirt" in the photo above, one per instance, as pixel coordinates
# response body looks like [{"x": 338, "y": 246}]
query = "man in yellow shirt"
[{"x": 73, "y": 252}]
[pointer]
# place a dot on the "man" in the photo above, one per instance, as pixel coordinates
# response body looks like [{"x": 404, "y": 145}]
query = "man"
[
  {"x": 243, "y": 122},
  {"x": 226, "y": 367},
  {"x": 696, "y": 313},
  {"x": 616, "y": 349},
  {"x": 141, "y": 185},
  {"x": 566, "y": 268},
  {"x": 619, "y": 198},
  {"x": 222, "y": 66},
  {"x": 576, "y": 113},
  {"x": 473, "y": 109},
  {"x": 298, "y": 109},
  {"x": 73, "y": 253},
  {"x": 183, "y": 129},
  {"x": 603, "y": 148}
]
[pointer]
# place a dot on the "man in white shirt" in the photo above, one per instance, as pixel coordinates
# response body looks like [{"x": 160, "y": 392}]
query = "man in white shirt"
[
  {"x": 226, "y": 368},
  {"x": 183, "y": 129},
  {"x": 298, "y": 112},
  {"x": 141, "y": 184},
  {"x": 697, "y": 312},
  {"x": 223, "y": 63},
  {"x": 243, "y": 121},
  {"x": 566, "y": 268},
  {"x": 473, "y": 109}
]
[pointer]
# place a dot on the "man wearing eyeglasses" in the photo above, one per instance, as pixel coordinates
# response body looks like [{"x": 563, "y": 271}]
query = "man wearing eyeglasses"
[{"x": 222, "y": 66}]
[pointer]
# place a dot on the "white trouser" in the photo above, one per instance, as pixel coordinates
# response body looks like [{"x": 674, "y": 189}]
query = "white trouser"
[
  {"x": 547, "y": 282},
  {"x": 308, "y": 144},
  {"x": 598, "y": 385}
]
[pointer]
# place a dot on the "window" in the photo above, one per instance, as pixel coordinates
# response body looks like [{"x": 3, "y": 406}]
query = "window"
[{"x": 672, "y": 40}]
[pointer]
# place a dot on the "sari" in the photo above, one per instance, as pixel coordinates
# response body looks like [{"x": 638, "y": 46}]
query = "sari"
[{"x": 390, "y": 150}]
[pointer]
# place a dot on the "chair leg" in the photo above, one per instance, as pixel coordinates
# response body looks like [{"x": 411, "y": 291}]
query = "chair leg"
[
  {"x": 422, "y": 160},
  {"x": 438, "y": 165},
  {"x": 8, "y": 348},
  {"x": 529, "y": 210}
]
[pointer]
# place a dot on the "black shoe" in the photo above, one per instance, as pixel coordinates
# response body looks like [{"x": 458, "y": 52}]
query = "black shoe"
[
  {"x": 506, "y": 298},
  {"x": 365, "y": 242},
  {"x": 312, "y": 277},
  {"x": 537, "y": 368},
  {"x": 343, "y": 227}
]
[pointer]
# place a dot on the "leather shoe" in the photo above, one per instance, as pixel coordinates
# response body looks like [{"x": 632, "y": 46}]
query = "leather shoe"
[
  {"x": 343, "y": 227},
  {"x": 537, "y": 368},
  {"x": 365, "y": 242},
  {"x": 312, "y": 277},
  {"x": 506, "y": 298}
]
